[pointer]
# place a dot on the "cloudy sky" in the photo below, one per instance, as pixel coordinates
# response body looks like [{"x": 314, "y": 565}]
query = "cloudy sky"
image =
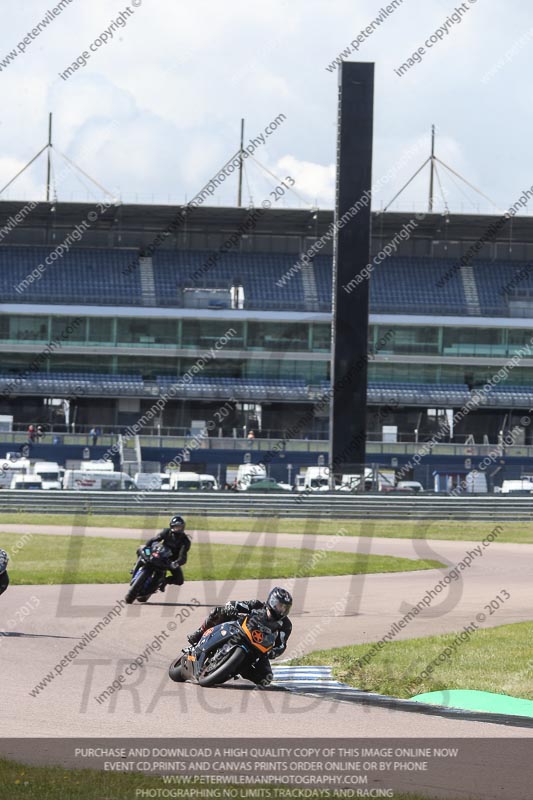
[{"x": 156, "y": 109}]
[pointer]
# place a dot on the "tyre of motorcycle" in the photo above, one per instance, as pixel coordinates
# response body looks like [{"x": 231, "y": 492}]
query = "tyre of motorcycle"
[
  {"x": 226, "y": 670},
  {"x": 137, "y": 586},
  {"x": 178, "y": 670}
]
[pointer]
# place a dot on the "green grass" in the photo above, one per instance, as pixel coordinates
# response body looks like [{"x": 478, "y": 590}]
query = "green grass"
[
  {"x": 521, "y": 532},
  {"x": 19, "y": 782},
  {"x": 47, "y": 559},
  {"x": 492, "y": 660}
]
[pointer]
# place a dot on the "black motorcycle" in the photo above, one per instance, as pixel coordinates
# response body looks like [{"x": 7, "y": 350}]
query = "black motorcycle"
[
  {"x": 148, "y": 575},
  {"x": 4, "y": 577},
  {"x": 224, "y": 650}
]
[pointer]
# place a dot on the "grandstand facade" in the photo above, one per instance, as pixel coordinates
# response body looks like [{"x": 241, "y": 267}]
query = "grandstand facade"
[{"x": 116, "y": 316}]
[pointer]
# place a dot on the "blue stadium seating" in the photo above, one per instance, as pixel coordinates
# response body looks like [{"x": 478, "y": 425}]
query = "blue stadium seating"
[
  {"x": 242, "y": 388},
  {"x": 82, "y": 275},
  {"x": 258, "y": 272},
  {"x": 257, "y": 389},
  {"x": 74, "y": 383},
  {"x": 498, "y": 281},
  {"x": 99, "y": 276}
]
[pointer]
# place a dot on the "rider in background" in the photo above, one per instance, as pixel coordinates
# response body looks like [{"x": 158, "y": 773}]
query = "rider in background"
[
  {"x": 277, "y": 607},
  {"x": 175, "y": 538},
  {"x": 4, "y": 577}
]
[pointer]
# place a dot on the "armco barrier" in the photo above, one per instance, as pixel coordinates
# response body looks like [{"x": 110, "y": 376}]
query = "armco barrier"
[{"x": 229, "y": 504}]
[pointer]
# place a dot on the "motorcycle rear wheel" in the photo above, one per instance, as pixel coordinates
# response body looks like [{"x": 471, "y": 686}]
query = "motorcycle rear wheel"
[{"x": 225, "y": 671}]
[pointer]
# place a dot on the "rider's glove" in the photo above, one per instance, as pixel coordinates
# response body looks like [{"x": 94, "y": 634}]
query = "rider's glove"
[{"x": 176, "y": 564}]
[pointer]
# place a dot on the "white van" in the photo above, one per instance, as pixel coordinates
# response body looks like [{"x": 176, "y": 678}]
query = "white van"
[
  {"x": 152, "y": 481},
  {"x": 26, "y": 482},
  {"x": 413, "y": 486},
  {"x": 97, "y": 466},
  {"x": 524, "y": 486},
  {"x": 208, "y": 483},
  {"x": 192, "y": 482},
  {"x": 249, "y": 473},
  {"x": 99, "y": 481},
  {"x": 316, "y": 479},
  {"x": 10, "y": 468},
  {"x": 49, "y": 472}
]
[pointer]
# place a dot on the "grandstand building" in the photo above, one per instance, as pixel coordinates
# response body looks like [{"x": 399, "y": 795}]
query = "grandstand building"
[{"x": 113, "y": 307}]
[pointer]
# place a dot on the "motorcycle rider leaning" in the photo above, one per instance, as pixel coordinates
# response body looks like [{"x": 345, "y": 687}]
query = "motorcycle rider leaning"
[
  {"x": 277, "y": 607},
  {"x": 175, "y": 538},
  {"x": 4, "y": 577}
]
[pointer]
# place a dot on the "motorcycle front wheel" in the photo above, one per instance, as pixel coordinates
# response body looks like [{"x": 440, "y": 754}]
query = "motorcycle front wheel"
[
  {"x": 224, "y": 671},
  {"x": 175, "y": 671},
  {"x": 135, "y": 587}
]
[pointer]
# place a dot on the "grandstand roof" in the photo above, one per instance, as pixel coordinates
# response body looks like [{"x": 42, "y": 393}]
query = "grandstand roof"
[{"x": 299, "y": 222}]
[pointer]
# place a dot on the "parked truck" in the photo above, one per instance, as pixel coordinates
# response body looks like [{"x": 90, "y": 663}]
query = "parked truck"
[{"x": 49, "y": 472}]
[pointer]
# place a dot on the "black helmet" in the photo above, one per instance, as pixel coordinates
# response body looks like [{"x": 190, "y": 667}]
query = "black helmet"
[
  {"x": 177, "y": 524},
  {"x": 279, "y": 602}
]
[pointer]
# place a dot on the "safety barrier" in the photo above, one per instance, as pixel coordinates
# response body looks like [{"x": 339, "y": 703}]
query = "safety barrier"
[{"x": 250, "y": 504}]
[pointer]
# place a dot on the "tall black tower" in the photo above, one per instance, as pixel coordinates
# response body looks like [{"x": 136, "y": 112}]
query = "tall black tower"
[{"x": 351, "y": 256}]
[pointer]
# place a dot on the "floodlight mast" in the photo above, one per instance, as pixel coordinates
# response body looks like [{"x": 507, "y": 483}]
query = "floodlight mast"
[
  {"x": 432, "y": 170},
  {"x": 48, "y": 157},
  {"x": 239, "y": 197}
]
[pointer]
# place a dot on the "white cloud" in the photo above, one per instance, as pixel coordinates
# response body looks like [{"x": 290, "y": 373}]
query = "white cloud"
[
  {"x": 314, "y": 181},
  {"x": 176, "y": 80}
]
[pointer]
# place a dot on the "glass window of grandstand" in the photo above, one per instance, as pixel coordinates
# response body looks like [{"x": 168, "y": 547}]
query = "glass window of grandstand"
[
  {"x": 226, "y": 368},
  {"x": 277, "y": 336},
  {"x": 474, "y": 341},
  {"x": 519, "y": 339},
  {"x": 24, "y": 328},
  {"x": 148, "y": 368},
  {"x": 60, "y": 362},
  {"x": 147, "y": 331},
  {"x": 413, "y": 340},
  {"x": 312, "y": 372},
  {"x": 204, "y": 334},
  {"x": 100, "y": 330},
  {"x": 69, "y": 329},
  {"x": 322, "y": 338},
  {"x": 404, "y": 373}
]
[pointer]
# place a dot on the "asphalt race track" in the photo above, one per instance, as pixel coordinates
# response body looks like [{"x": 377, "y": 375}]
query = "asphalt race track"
[{"x": 328, "y": 612}]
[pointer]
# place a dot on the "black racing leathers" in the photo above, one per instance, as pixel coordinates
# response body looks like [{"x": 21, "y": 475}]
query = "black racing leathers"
[{"x": 179, "y": 544}]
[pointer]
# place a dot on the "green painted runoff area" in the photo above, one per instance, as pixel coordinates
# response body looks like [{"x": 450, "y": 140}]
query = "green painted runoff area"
[{"x": 470, "y": 700}]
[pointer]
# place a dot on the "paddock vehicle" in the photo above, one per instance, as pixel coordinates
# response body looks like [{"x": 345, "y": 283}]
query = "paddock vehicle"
[
  {"x": 97, "y": 466},
  {"x": 26, "y": 482},
  {"x": 225, "y": 650},
  {"x": 12, "y": 466},
  {"x": 99, "y": 481},
  {"x": 149, "y": 572},
  {"x": 267, "y": 485},
  {"x": 522, "y": 486},
  {"x": 192, "y": 482},
  {"x": 247, "y": 473},
  {"x": 49, "y": 471},
  {"x": 152, "y": 481}
]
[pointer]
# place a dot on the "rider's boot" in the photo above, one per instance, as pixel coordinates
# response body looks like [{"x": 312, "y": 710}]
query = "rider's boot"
[{"x": 196, "y": 635}]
